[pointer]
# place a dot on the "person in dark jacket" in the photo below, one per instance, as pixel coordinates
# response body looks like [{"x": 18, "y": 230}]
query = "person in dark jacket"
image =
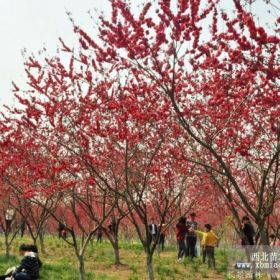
[
  {"x": 60, "y": 228},
  {"x": 181, "y": 231},
  {"x": 248, "y": 232},
  {"x": 99, "y": 235},
  {"x": 29, "y": 266},
  {"x": 113, "y": 226},
  {"x": 22, "y": 227},
  {"x": 33, "y": 248},
  {"x": 191, "y": 237},
  {"x": 153, "y": 230}
]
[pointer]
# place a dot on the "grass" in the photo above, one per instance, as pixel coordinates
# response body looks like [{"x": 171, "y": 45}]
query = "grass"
[{"x": 61, "y": 263}]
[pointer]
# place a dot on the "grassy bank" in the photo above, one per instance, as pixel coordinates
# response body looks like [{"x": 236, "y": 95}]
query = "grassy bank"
[{"x": 60, "y": 262}]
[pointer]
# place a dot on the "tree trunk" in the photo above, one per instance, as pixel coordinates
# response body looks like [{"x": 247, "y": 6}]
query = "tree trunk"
[
  {"x": 42, "y": 243},
  {"x": 117, "y": 253},
  {"x": 263, "y": 235},
  {"x": 150, "y": 268},
  {"x": 262, "y": 231},
  {"x": 113, "y": 236},
  {"x": 82, "y": 267},
  {"x": 7, "y": 246},
  {"x": 34, "y": 240}
]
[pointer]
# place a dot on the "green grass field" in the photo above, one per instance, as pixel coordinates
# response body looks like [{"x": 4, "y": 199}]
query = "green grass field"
[{"x": 60, "y": 262}]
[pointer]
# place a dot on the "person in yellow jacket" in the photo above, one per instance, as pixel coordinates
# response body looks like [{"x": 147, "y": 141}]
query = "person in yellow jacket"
[{"x": 208, "y": 242}]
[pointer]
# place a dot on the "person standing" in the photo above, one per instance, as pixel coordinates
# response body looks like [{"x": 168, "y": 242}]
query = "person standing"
[
  {"x": 191, "y": 238},
  {"x": 113, "y": 226},
  {"x": 247, "y": 241},
  {"x": 181, "y": 231},
  {"x": 277, "y": 242},
  {"x": 248, "y": 232},
  {"x": 9, "y": 216},
  {"x": 202, "y": 243},
  {"x": 210, "y": 242},
  {"x": 22, "y": 227},
  {"x": 99, "y": 235},
  {"x": 272, "y": 240},
  {"x": 60, "y": 229},
  {"x": 162, "y": 235},
  {"x": 153, "y": 230}
]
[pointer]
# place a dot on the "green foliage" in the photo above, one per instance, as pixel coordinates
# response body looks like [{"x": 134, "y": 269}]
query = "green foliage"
[
  {"x": 133, "y": 277},
  {"x": 165, "y": 271},
  {"x": 5, "y": 262},
  {"x": 204, "y": 274},
  {"x": 195, "y": 266},
  {"x": 228, "y": 277},
  {"x": 58, "y": 271}
]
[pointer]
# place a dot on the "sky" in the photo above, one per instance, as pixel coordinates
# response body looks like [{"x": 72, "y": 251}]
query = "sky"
[{"x": 34, "y": 24}]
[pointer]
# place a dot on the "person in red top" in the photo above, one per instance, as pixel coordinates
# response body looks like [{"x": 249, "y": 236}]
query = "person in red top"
[
  {"x": 277, "y": 243},
  {"x": 181, "y": 231}
]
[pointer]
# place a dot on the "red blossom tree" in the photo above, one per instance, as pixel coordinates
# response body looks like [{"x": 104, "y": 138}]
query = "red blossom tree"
[
  {"x": 222, "y": 87},
  {"x": 160, "y": 98}
]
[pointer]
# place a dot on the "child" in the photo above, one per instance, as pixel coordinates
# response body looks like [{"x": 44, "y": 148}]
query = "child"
[
  {"x": 29, "y": 266},
  {"x": 210, "y": 241}
]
